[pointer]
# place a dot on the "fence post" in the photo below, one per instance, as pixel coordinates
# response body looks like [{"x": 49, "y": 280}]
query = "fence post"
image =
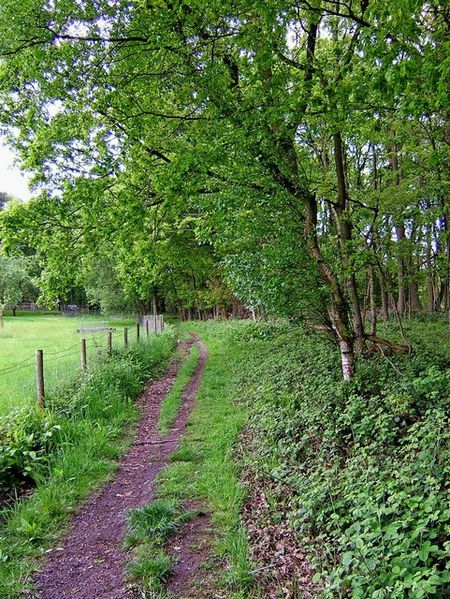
[
  {"x": 154, "y": 324},
  {"x": 109, "y": 343},
  {"x": 83, "y": 354},
  {"x": 40, "y": 378},
  {"x": 147, "y": 328},
  {"x": 138, "y": 331},
  {"x": 125, "y": 336}
]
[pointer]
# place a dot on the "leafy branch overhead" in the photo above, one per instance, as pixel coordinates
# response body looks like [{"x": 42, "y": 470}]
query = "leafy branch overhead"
[{"x": 288, "y": 156}]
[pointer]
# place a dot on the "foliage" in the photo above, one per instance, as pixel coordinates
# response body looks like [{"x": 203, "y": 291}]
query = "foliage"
[
  {"x": 364, "y": 465},
  {"x": 16, "y": 281},
  {"x": 292, "y": 154},
  {"x": 27, "y": 437}
]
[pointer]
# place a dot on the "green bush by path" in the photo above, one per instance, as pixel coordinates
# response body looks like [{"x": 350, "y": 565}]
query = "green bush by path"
[
  {"x": 67, "y": 450},
  {"x": 366, "y": 464}
]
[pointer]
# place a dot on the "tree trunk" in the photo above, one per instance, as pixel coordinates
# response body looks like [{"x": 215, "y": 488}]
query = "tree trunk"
[
  {"x": 337, "y": 307},
  {"x": 344, "y": 229},
  {"x": 431, "y": 287},
  {"x": 401, "y": 299},
  {"x": 384, "y": 296},
  {"x": 373, "y": 306}
]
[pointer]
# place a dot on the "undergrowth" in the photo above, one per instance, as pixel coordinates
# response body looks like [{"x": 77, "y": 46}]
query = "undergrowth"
[
  {"x": 362, "y": 468},
  {"x": 66, "y": 450}
]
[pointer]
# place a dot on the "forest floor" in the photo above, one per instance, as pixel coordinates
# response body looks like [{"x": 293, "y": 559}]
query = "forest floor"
[{"x": 91, "y": 560}]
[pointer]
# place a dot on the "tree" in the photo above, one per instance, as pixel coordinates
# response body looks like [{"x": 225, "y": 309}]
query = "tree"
[
  {"x": 282, "y": 128},
  {"x": 4, "y": 199},
  {"x": 16, "y": 282}
]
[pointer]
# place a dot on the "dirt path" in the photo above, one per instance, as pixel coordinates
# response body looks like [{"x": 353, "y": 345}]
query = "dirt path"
[{"x": 89, "y": 563}]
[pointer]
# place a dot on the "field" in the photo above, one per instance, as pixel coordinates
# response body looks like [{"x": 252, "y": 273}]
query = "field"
[{"x": 58, "y": 337}]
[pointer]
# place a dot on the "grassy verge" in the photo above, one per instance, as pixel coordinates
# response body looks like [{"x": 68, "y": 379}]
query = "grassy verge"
[
  {"x": 172, "y": 401},
  {"x": 204, "y": 469},
  {"x": 77, "y": 441}
]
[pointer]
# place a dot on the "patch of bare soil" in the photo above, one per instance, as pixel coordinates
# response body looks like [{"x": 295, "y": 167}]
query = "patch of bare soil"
[
  {"x": 90, "y": 562},
  {"x": 282, "y": 570},
  {"x": 190, "y": 548}
]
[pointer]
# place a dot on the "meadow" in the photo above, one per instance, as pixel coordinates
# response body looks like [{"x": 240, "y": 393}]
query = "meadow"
[{"x": 57, "y": 335}]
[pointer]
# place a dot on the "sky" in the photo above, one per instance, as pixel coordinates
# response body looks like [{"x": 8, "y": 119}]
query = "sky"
[{"x": 12, "y": 181}]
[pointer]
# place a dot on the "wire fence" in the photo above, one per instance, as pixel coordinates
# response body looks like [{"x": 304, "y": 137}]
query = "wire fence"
[{"x": 154, "y": 324}]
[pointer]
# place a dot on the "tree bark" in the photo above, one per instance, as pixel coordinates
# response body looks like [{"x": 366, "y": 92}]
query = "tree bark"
[
  {"x": 373, "y": 306},
  {"x": 344, "y": 230},
  {"x": 384, "y": 296},
  {"x": 337, "y": 307}
]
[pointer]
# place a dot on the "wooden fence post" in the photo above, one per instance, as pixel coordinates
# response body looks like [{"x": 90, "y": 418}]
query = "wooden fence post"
[
  {"x": 40, "y": 378},
  {"x": 125, "y": 336},
  {"x": 138, "y": 331},
  {"x": 109, "y": 343},
  {"x": 147, "y": 328},
  {"x": 83, "y": 354}
]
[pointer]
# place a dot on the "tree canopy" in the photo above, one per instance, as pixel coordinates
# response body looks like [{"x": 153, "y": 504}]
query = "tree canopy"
[{"x": 291, "y": 155}]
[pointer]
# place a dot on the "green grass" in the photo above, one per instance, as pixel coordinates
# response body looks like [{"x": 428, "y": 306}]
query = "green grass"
[
  {"x": 152, "y": 567},
  {"x": 149, "y": 527},
  {"x": 204, "y": 468},
  {"x": 57, "y": 336},
  {"x": 172, "y": 401},
  {"x": 93, "y": 415}
]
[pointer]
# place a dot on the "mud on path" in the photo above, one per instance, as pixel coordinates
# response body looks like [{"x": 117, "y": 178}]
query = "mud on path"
[{"x": 90, "y": 562}]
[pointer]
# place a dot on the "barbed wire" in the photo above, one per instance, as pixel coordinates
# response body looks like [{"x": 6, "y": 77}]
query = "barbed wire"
[
  {"x": 18, "y": 365},
  {"x": 55, "y": 357},
  {"x": 61, "y": 351}
]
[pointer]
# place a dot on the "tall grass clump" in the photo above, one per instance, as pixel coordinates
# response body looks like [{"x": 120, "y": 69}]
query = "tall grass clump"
[{"x": 64, "y": 451}]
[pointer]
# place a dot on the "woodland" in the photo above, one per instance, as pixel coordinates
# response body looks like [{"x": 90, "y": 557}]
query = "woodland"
[
  {"x": 272, "y": 176},
  {"x": 267, "y": 158}
]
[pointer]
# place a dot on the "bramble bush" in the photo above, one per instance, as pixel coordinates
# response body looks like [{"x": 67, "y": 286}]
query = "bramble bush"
[{"x": 366, "y": 463}]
